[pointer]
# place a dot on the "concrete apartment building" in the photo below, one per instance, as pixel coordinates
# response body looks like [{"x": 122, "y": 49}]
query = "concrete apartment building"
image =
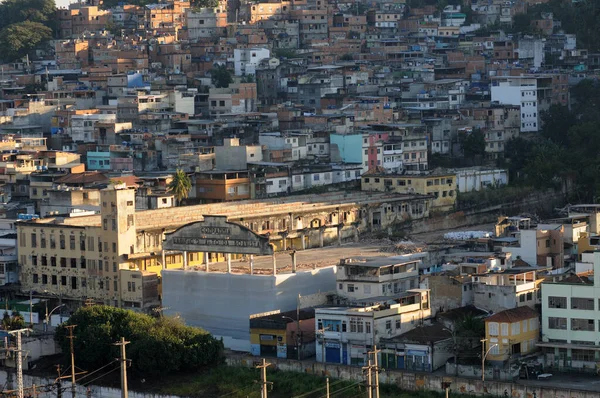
[
  {"x": 360, "y": 278},
  {"x": 570, "y": 320},
  {"x": 346, "y": 334},
  {"x": 442, "y": 186},
  {"x": 533, "y": 94}
]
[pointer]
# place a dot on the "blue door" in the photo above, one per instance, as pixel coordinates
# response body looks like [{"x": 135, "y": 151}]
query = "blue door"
[
  {"x": 400, "y": 361},
  {"x": 332, "y": 355}
]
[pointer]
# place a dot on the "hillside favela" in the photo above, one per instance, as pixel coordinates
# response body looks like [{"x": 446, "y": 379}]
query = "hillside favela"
[{"x": 299, "y": 198}]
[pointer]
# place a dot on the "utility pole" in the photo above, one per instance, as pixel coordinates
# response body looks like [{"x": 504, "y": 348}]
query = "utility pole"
[
  {"x": 122, "y": 344},
  {"x": 263, "y": 378},
  {"x": 368, "y": 381},
  {"x": 19, "y": 360},
  {"x": 30, "y": 308},
  {"x": 376, "y": 369},
  {"x": 327, "y": 387},
  {"x": 482, "y": 359},
  {"x": 71, "y": 337},
  {"x": 58, "y": 383}
]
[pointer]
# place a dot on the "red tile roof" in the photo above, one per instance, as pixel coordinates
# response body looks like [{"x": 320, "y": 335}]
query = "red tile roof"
[{"x": 513, "y": 315}]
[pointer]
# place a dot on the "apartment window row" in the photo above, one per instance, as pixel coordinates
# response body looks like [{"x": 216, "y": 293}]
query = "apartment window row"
[
  {"x": 577, "y": 303},
  {"x": 501, "y": 329},
  {"x": 43, "y": 241},
  {"x": 64, "y": 262},
  {"x": 577, "y": 324},
  {"x": 73, "y": 282}
]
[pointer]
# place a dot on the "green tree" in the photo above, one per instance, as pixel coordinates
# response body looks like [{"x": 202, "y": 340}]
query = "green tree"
[
  {"x": 221, "y": 77},
  {"x": 473, "y": 143},
  {"x": 556, "y": 122},
  {"x": 15, "y": 11},
  {"x": 13, "y": 322},
  {"x": 180, "y": 185},
  {"x": 158, "y": 346},
  {"x": 21, "y": 38},
  {"x": 205, "y": 3},
  {"x": 285, "y": 53}
]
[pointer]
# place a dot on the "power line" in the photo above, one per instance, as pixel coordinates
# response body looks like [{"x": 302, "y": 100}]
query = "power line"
[
  {"x": 99, "y": 369},
  {"x": 236, "y": 391},
  {"x": 344, "y": 389},
  {"x": 87, "y": 383},
  {"x": 318, "y": 389}
]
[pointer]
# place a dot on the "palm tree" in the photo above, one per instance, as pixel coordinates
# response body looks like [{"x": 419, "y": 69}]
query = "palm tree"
[{"x": 180, "y": 185}]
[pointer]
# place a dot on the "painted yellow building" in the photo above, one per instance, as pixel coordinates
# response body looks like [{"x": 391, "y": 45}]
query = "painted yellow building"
[
  {"x": 511, "y": 333},
  {"x": 442, "y": 186},
  {"x": 116, "y": 257}
]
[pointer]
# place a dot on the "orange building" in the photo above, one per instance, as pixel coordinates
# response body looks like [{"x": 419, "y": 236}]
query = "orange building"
[{"x": 222, "y": 186}]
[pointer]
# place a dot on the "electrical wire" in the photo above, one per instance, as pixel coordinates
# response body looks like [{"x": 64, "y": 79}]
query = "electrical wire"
[
  {"x": 318, "y": 389},
  {"x": 97, "y": 370},
  {"x": 236, "y": 391},
  {"x": 332, "y": 393},
  {"x": 87, "y": 383}
]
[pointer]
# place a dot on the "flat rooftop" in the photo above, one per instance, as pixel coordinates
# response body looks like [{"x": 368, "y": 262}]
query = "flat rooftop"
[{"x": 306, "y": 260}]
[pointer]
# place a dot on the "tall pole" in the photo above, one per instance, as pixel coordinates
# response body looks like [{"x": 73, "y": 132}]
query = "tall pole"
[
  {"x": 19, "y": 357},
  {"x": 376, "y": 368},
  {"x": 298, "y": 340},
  {"x": 71, "y": 337},
  {"x": 263, "y": 378},
  {"x": 19, "y": 360},
  {"x": 122, "y": 344},
  {"x": 483, "y": 359},
  {"x": 30, "y": 308},
  {"x": 369, "y": 386},
  {"x": 327, "y": 387}
]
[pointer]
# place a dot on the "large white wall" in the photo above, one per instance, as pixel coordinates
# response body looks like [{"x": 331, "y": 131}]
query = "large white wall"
[{"x": 222, "y": 303}]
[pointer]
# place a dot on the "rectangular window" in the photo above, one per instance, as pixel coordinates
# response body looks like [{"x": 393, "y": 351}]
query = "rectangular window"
[
  {"x": 352, "y": 325},
  {"x": 388, "y": 325},
  {"x": 504, "y": 327},
  {"x": 44, "y": 279},
  {"x": 368, "y": 327},
  {"x": 54, "y": 280},
  {"x": 44, "y": 261},
  {"x": 63, "y": 280},
  {"x": 557, "y": 302},
  {"x": 583, "y": 355},
  {"x": 350, "y": 288},
  {"x": 114, "y": 247},
  {"x": 398, "y": 324},
  {"x": 33, "y": 240},
  {"x": 62, "y": 242},
  {"x": 73, "y": 263},
  {"x": 557, "y": 323},
  {"x": 580, "y": 303},
  {"x": 582, "y": 324},
  {"x": 72, "y": 242},
  {"x": 43, "y": 241},
  {"x": 35, "y": 278},
  {"x": 63, "y": 262}
]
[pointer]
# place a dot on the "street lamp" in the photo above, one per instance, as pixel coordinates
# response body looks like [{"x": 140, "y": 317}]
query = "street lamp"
[
  {"x": 49, "y": 314},
  {"x": 297, "y": 333},
  {"x": 484, "y": 354}
]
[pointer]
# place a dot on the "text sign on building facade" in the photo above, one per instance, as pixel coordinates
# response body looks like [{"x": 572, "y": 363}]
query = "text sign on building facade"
[{"x": 217, "y": 235}]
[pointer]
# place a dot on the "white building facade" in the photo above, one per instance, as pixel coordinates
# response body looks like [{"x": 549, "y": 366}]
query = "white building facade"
[{"x": 571, "y": 321}]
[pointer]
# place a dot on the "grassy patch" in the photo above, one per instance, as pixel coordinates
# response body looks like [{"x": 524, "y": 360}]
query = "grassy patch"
[{"x": 232, "y": 382}]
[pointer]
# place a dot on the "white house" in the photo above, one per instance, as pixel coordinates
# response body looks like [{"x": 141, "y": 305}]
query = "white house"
[
  {"x": 474, "y": 179},
  {"x": 345, "y": 334},
  {"x": 571, "y": 320},
  {"x": 247, "y": 59},
  {"x": 531, "y": 93}
]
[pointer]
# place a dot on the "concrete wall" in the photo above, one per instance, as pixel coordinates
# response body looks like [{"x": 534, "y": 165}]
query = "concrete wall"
[
  {"x": 223, "y": 303},
  {"x": 419, "y": 381},
  {"x": 82, "y": 391}
]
